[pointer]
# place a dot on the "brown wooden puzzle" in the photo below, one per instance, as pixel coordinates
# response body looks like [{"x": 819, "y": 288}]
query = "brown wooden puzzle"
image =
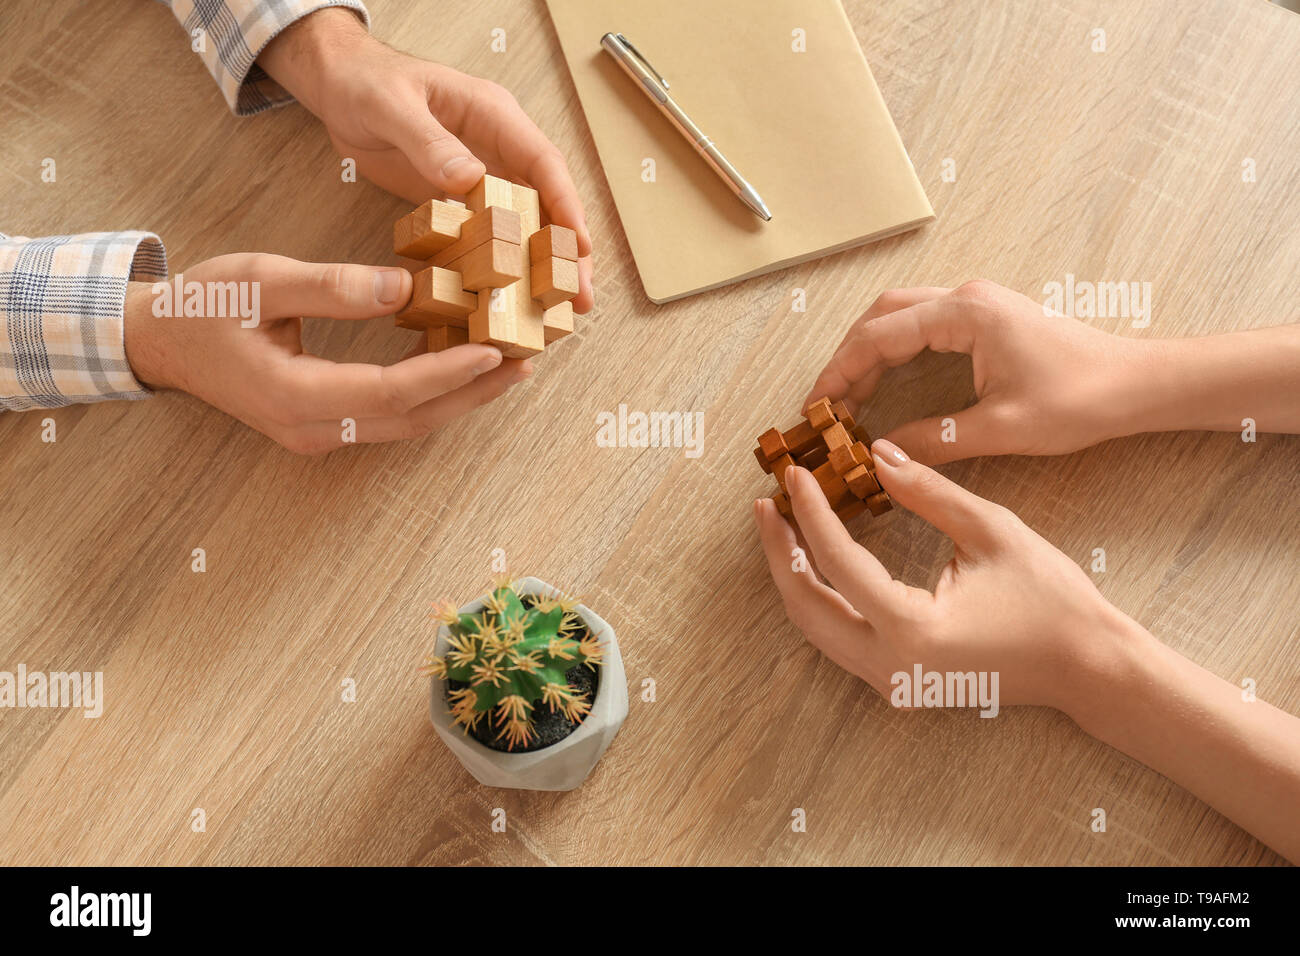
[
  {"x": 834, "y": 447},
  {"x": 492, "y": 272}
]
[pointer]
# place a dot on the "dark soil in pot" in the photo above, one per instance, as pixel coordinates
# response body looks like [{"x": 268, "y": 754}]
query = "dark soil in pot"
[{"x": 549, "y": 726}]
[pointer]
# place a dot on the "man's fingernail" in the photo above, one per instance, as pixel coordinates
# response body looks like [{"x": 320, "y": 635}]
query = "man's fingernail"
[
  {"x": 388, "y": 285},
  {"x": 455, "y": 165},
  {"x": 524, "y": 371},
  {"x": 888, "y": 452},
  {"x": 489, "y": 362}
]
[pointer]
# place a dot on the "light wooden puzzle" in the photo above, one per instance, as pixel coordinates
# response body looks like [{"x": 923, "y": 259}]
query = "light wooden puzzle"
[
  {"x": 834, "y": 447},
  {"x": 493, "y": 273}
]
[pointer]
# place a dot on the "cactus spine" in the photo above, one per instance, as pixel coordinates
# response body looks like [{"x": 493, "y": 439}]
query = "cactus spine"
[{"x": 514, "y": 657}]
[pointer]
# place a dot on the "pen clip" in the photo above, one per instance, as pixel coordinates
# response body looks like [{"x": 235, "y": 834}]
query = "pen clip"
[{"x": 641, "y": 56}]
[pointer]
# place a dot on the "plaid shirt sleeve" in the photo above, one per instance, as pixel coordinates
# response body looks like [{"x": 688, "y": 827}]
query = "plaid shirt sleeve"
[
  {"x": 61, "y": 303},
  {"x": 234, "y": 32}
]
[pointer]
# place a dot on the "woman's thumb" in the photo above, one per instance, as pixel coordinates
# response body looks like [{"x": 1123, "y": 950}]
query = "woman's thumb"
[{"x": 973, "y": 523}]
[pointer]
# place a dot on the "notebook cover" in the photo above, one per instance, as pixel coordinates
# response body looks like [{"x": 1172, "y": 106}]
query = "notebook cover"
[{"x": 808, "y": 129}]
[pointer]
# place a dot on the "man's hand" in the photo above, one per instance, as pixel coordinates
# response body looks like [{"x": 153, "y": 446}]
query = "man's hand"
[
  {"x": 1046, "y": 385},
  {"x": 419, "y": 129},
  {"x": 260, "y": 374}
]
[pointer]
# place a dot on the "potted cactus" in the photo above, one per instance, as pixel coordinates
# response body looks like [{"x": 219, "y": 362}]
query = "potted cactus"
[{"x": 528, "y": 686}]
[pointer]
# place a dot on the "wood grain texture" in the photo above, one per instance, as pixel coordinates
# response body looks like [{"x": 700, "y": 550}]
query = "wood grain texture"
[{"x": 223, "y": 688}]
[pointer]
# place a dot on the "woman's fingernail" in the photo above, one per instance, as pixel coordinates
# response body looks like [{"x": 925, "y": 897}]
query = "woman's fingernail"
[
  {"x": 888, "y": 452},
  {"x": 455, "y": 164},
  {"x": 388, "y": 285}
]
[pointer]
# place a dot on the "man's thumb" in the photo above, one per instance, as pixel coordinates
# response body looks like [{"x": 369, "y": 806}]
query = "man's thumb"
[
  {"x": 974, "y": 524},
  {"x": 438, "y": 156},
  {"x": 334, "y": 290}
]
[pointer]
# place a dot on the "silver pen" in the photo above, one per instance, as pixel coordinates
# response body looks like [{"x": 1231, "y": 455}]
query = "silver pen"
[{"x": 656, "y": 87}]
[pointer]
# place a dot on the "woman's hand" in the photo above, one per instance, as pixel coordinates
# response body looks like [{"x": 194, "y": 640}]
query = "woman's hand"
[
  {"x": 1010, "y": 603},
  {"x": 420, "y": 129},
  {"x": 1007, "y": 602},
  {"x": 1045, "y": 385},
  {"x": 250, "y": 363}
]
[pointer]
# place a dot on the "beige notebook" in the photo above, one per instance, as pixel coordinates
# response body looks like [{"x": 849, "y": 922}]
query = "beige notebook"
[{"x": 808, "y": 129}]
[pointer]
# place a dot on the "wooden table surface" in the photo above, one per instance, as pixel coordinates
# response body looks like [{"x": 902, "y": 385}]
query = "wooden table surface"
[{"x": 224, "y": 687}]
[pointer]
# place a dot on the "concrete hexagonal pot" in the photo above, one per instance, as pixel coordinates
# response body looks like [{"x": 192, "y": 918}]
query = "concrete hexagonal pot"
[{"x": 563, "y": 765}]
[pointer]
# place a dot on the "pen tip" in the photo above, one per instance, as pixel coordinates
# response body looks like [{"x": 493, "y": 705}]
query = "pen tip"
[{"x": 750, "y": 197}]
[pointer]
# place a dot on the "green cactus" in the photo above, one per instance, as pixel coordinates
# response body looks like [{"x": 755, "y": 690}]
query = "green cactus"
[{"x": 513, "y": 655}]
